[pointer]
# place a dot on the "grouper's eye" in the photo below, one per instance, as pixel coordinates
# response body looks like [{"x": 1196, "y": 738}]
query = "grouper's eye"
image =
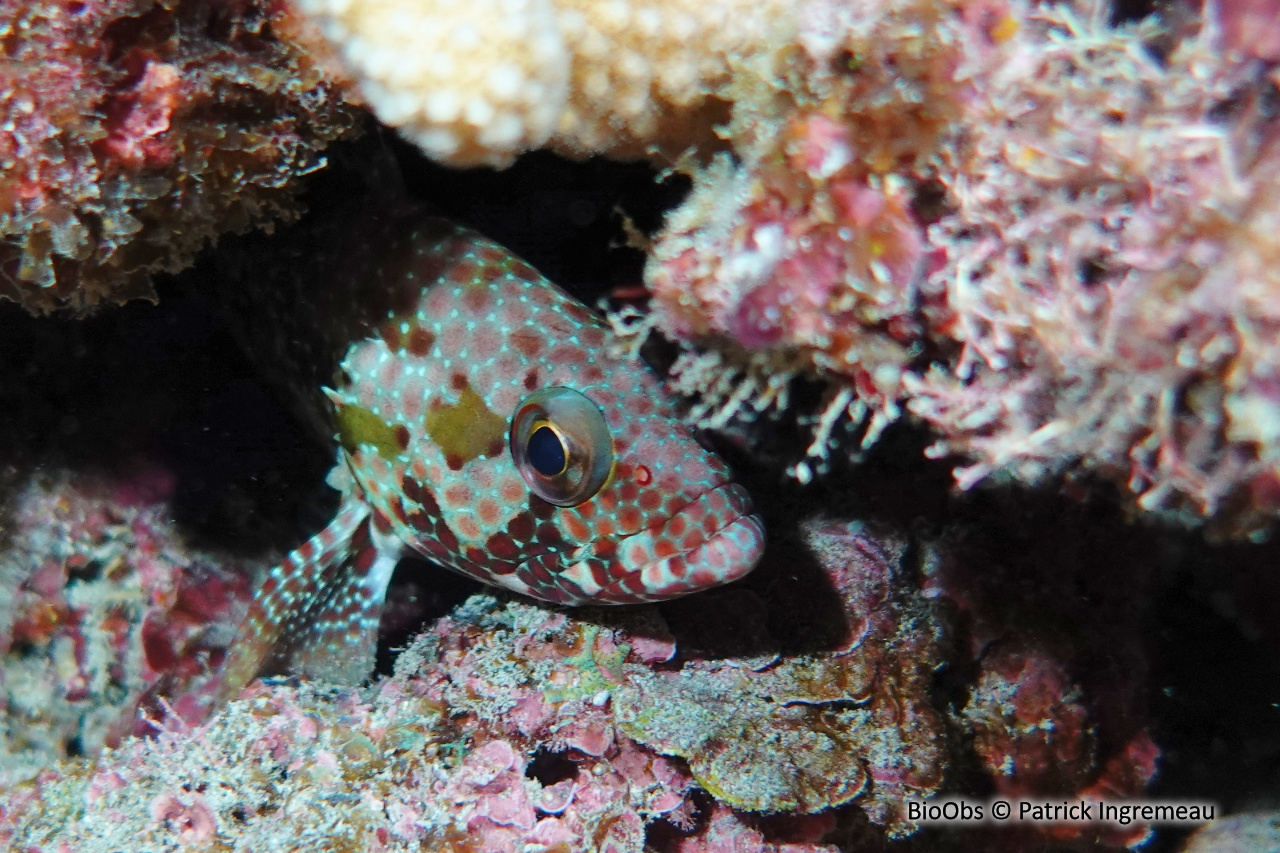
[{"x": 561, "y": 446}]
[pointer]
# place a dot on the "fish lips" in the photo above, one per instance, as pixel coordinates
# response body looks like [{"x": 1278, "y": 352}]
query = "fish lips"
[{"x": 718, "y": 539}]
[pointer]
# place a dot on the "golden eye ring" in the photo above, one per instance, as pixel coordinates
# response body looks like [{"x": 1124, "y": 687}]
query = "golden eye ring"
[{"x": 561, "y": 445}]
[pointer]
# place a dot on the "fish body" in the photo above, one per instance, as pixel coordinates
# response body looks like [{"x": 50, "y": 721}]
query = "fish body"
[{"x": 483, "y": 423}]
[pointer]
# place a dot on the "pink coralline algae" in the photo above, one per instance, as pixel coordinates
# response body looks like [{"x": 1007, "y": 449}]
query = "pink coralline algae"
[
  {"x": 103, "y": 612},
  {"x": 1033, "y": 734},
  {"x": 132, "y": 134},
  {"x": 509, "y": 726},
  {"x": 188, "y": 818},
  {"x": 806, "y": 255},
  {"x": 795, "y": 712},
  {"x": 809, "y": 732},
  {"x": 1109, "y": 273},
  {"x": 1048, "y": 238},
  {"x": 445, "y": 755}
]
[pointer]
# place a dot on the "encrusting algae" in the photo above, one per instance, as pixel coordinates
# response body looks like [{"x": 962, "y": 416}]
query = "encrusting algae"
[{"x": 134, "y": 133}]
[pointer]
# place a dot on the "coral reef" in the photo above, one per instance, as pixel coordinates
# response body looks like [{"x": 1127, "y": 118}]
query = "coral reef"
[
  {"x": 807, "y": 732},
  {"x": 1041, "y": 230},
  {"x": 482, "y": 82},
  {"x": 1033, "y": 735},
  {"x": 1112, "y": 296},
  {"x": 1057, "y": 705},
  {"x": 1242, "y": 833},
  {"x": 1047, "y": 237},
  {"x": 102, "y": 611},
  {"x": 683, "y": 727},
  {"x": 134, "y": 132},
  {"x": 514, "y": 724},
  {"x": 447, "y": 754},
  {"x": 804, "y": 253},
  {"x": 673, "y": 723}
]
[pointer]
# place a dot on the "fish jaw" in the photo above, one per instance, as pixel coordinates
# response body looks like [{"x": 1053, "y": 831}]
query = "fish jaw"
[
  {"x": 728, "y": 553},
  {"x": 665, "y": 563},
  {"x": 716, "y": 539}
]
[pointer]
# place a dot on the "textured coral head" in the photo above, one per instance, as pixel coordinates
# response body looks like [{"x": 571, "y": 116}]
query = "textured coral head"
[{"x": 491, "y": 430}]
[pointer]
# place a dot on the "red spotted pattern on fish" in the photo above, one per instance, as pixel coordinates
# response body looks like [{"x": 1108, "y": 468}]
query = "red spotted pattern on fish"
[{"x": 484, "y": 424}]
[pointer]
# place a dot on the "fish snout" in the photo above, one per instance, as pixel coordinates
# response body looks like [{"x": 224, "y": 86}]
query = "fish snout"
[{"x": 713, "y": 540}]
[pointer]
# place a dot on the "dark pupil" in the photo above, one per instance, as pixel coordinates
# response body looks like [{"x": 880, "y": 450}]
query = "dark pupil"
[{"x": 545, "y": 452}]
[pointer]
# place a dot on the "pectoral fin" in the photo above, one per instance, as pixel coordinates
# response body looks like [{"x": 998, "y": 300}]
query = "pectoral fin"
[{"x": 317, "y": 612}]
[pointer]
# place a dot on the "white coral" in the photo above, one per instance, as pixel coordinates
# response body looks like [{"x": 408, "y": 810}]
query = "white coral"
[{"x": 480, "y": 81}]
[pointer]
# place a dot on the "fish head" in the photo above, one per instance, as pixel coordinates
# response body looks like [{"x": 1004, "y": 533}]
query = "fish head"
[{"x": 495, "y": 429}]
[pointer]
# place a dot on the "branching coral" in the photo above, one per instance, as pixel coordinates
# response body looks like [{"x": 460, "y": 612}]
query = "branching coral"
[
  {"x": 133, "y": 133},
  {"x": 479, "y": 83}
]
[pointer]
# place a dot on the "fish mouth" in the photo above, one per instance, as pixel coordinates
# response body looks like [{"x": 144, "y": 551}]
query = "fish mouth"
[{"x": 682, "y": 555}]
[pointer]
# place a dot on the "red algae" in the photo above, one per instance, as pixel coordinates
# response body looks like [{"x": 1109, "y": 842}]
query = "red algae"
[
  {"x": 104, "y": 612},
  {"x": 1047, "y": 238},
  {"x": 798, "y": 711},
  {"x": 133, "y": 134}
]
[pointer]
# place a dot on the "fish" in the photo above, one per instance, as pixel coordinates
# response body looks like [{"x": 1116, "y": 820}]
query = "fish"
[{"x": 482, "y": 419}]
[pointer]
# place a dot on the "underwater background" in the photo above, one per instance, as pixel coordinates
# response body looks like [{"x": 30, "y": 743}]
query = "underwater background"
[{"x": 978, "y": 299}]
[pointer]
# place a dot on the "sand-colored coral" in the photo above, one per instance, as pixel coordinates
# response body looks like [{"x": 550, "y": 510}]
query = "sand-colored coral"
[{"x": 478, "y": 83}]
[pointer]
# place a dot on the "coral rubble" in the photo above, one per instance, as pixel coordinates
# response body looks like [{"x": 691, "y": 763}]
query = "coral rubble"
[
  {"x": 445, "y": 754},
  {"x": 103, "y": 610},
  {"x": 502, "y": 724},
  {"x": 809, "y": 732},
  {"x": 764, "y": 714},
  {"x": 134, "y": 132}
]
